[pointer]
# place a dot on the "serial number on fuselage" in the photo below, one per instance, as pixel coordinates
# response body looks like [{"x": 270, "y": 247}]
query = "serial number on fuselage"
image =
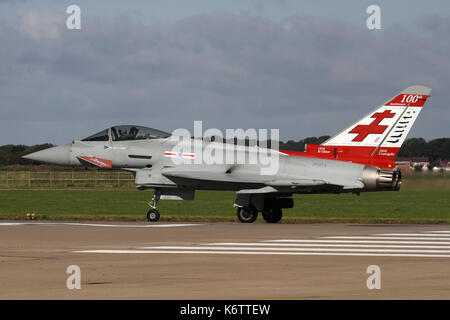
[{"x": 319, "y": 164}]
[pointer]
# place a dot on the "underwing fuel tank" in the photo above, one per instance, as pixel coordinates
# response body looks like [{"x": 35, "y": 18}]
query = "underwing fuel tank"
[{"x": 378, "y": 179}]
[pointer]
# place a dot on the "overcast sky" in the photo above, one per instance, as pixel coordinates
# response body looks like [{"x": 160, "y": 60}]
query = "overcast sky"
[{"x": 308, "y": 68}]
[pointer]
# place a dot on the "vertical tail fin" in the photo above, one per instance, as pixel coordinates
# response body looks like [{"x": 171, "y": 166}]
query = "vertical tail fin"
[{"x": 376, "y": 138}]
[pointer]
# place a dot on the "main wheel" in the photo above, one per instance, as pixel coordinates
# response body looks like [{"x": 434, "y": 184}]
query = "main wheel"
[
  {"x": 247, "y": 214},
  {"x": 153, "y": 215},
  {"x": 272, "y": 215}
]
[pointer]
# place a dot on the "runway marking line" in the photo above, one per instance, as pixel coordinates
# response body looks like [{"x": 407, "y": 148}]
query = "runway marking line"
[
  {"x": 386, "y": 238},
  {"x": 292, "y": 249},
  {"x": 256, "y": 244},
  {"x": 304, "y": 247},
  {"x": 104, "y": 225},
  {"x": 356, "y": 241},
  {"x": 262, "y": 253},
  {"x": 414, "y": 234}
]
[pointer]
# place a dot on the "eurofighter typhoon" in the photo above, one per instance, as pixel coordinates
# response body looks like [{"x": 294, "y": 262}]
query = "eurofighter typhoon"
[{"x": 360, "y": 158}]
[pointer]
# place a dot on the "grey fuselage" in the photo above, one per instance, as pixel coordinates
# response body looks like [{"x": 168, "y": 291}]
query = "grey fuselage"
[{"x": 154, "y": 169}]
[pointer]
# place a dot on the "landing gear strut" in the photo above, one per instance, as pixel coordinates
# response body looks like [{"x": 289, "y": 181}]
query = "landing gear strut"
[{"x": 153, "y": 214}]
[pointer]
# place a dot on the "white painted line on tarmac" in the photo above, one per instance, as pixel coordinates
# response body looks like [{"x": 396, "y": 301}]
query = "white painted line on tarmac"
[
  {"x": 364, "y": 254},
  {"x": 258, "y": 244},
  {"x": 413, "y": 234},
  {"x": 387, "y": 245},
  {"x": 80, "y": 224},
  {"x": 385, "y": 238},
  {"x": 355, "y": 241},
  {"x": 293, "y": 249}
]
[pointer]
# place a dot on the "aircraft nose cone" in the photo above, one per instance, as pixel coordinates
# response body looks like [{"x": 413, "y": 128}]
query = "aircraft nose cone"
[{"x": 56, "y": 155}]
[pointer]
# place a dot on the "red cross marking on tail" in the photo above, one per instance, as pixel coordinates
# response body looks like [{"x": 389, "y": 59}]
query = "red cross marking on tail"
[{"x": 373, "y": 128}]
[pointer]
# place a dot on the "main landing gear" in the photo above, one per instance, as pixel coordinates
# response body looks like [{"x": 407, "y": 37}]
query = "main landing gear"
[
  {"x": 247, "y": 214},
  {"x": 153, "y": 214},
  {"x": 270, "y": 207},
  {"x": 250, "y": 213},
  {"x": 272, "y": 215}
]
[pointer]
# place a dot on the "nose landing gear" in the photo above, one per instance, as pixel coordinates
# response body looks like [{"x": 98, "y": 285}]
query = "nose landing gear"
[{"x": 153, "y": 214}]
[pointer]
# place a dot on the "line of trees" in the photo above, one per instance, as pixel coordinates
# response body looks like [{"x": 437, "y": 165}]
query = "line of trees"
[
  {"x": 300, "y": 145},
  {"x": 11, "y": 153},
  {"x": 435, "y": 150}
]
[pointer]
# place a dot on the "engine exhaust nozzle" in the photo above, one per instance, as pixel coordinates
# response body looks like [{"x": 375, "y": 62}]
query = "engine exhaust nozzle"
[{"x": 381, "y": 179}]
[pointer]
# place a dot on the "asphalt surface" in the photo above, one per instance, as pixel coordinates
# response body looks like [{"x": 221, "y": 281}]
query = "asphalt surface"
[{"x": 223, "y": 260}]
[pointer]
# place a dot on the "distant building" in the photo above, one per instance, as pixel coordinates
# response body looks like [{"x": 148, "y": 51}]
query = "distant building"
[
  {"x": 443, "y": 165},
  {"x": 414, "y": 163}
]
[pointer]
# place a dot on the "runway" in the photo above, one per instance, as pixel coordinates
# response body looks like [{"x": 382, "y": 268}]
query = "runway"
[{"x": 223, "y": 260}]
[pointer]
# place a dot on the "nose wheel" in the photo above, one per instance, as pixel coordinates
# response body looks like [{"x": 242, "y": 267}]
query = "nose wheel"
[{"x": 153, "y": 214}]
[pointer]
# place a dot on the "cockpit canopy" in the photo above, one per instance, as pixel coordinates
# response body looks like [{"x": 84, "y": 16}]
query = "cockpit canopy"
[{"x": 122, "y": 133}]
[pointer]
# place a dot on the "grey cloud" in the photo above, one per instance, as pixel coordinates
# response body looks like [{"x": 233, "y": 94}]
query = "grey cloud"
[
  {"x": 436, "y": 24},
  {"x": 305, "y": 75}
]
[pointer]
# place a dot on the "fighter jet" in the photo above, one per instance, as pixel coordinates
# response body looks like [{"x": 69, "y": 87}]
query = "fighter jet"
[{"x": 360, "y": 158}]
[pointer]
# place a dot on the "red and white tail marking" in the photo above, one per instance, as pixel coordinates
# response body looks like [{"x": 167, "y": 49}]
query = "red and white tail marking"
[
  {"x": 386, "y": 126},
  {"x": 410, "y": 100},
  {"x": 383, "y": 131},
  {"x": 376, "y": 138}
]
